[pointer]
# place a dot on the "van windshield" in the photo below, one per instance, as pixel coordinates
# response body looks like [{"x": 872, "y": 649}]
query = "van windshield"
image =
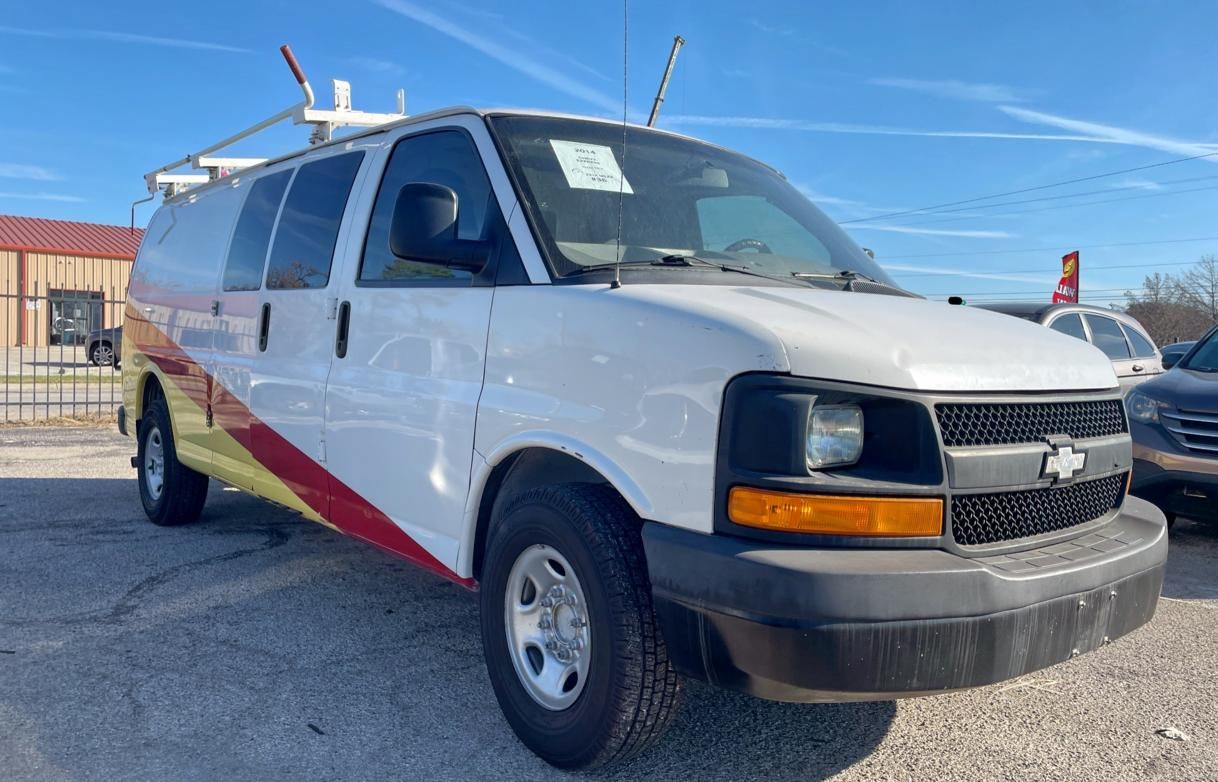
[{"x": 679, "y": 197}]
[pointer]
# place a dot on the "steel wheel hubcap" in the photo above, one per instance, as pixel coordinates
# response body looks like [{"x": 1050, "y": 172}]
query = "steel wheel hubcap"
[
  {"x": 154, "y": 464},
  {"x": 546, "y": 621}
]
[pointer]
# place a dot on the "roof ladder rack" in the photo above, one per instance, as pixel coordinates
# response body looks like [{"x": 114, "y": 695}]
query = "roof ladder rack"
[{"x": 324, "y": 122}]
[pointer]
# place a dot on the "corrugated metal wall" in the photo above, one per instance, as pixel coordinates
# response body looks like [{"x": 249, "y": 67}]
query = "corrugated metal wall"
[
  {"x": 9, "y": 305},
  {"x": 58, "y": 287}
]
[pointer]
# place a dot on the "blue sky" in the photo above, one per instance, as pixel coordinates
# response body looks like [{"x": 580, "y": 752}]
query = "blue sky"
[{"x": 869, "y": 108}]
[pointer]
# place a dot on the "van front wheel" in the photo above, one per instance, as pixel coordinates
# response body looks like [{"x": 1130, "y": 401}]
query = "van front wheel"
[
  {"x": 171, "y": 492},
  {"x": 568, "y": 629}
]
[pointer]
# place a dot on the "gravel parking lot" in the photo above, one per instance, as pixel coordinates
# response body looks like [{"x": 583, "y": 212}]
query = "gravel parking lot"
[{"x": 256, "y": 646}]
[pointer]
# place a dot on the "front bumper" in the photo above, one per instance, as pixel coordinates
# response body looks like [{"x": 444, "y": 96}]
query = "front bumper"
[
  {"x": 800, "y": 624},
  {"x": 1184, "y": 484}
]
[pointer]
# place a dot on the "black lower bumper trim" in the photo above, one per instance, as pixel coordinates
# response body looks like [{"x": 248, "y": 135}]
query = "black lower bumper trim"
[
  {"x": 881, "y": 660},
  {"x": 804, "y": 624}
]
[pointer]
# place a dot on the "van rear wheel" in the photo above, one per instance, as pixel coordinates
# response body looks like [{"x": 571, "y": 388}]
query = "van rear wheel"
[
  {"x": 568, "y": 629},
  {"x": 171, "y": 492}
]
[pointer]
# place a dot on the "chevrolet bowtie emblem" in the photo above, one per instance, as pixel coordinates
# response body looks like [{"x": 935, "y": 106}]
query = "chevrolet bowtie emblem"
[{"x": 1063, "y": 463}]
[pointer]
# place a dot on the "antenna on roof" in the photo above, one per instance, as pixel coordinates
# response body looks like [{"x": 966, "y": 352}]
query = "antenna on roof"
[
  {"x": 324, "y": 122},
  {"x": 621, "y": 181},
  {"x": 677, "y": 43}
]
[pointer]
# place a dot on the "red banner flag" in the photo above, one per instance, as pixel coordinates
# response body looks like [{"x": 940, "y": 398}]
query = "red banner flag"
[{"x": 1067, "y": 288}]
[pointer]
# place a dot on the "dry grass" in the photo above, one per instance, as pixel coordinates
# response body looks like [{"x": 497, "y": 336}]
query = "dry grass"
[
  {"x": 81, "y": 379},
  {"x": 89, "y": 420}
]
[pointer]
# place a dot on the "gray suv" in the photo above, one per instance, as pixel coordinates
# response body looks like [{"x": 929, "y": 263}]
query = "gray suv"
[{"x": 1174, "y": 424}]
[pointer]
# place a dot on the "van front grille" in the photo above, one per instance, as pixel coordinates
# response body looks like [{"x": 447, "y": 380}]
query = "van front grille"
[
  {"x": 1011, "y": 423},
  {"x": 978, "y": 519}
]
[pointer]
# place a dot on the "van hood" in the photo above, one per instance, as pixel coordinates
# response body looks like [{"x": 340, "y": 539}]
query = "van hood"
[{"x": 897, "y": 342}]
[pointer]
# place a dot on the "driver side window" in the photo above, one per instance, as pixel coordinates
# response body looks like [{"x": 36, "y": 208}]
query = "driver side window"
[
  {"x": 445, "y": 157},
  {"x": 731, "y": 221}
]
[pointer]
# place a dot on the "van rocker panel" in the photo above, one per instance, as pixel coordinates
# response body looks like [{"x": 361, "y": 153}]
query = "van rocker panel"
[{"x": 801, "y": 624}]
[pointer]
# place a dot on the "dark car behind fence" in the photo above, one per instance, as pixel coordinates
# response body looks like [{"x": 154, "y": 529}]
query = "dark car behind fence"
[{"x": 49, "y": 336}]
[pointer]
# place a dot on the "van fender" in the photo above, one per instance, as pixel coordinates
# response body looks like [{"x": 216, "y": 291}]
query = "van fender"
[{"x": 484, "y": 465}]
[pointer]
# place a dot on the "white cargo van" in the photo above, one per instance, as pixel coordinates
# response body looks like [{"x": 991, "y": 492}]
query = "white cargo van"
[{"x": 745, "y": 456}]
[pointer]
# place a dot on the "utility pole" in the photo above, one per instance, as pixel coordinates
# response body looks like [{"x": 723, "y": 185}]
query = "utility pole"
[{"x": 677, "y": 43}]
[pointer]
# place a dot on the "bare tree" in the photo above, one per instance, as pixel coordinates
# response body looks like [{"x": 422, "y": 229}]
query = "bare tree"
[
  {"x": 1199, "y": 286},
  {"x": 1173, "y": 308}
]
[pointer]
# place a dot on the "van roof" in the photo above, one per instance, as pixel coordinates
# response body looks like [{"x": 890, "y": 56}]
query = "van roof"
[{"x": 439, "y": 114}]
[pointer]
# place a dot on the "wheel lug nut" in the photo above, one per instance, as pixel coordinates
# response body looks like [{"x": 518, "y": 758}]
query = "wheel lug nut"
[
  {"x": 544, "y": 623},
  {"x": 547, "y": 602}
]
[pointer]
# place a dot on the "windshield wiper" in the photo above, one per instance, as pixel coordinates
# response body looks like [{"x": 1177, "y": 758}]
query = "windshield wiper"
[
  {"x": 686, "y": 260},
  {"x": 848, "y": 277},
  {"x": 845, "y": 274}
]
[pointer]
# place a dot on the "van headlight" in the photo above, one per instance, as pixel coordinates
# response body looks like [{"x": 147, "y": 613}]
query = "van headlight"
[
  {"x": 1142, "y": 408},
  {"x": 835, "y": 435}
]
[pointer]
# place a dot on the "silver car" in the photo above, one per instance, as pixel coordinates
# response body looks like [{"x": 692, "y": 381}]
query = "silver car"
[{"x": 1134, "y": 356}]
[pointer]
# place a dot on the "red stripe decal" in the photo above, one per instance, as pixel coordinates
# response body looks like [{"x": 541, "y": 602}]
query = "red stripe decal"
[{"x": 332, "y": 499}]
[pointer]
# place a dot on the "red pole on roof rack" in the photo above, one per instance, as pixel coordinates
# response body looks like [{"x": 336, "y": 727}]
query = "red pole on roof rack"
[{"x": 286, "y": 51}]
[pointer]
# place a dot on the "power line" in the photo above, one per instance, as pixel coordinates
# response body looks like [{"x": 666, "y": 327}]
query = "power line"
[
  {"x": 1030, "y": 189},
  {"x": 1058, "y": 249},
  {"x": 1022, "y": 293},
  {"x": 1058, "y": 207},
  {"x": 969, "y": 273},
  {"x": 1073, "y": 195}
]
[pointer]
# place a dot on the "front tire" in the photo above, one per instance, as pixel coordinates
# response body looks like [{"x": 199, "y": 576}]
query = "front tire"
[
  {"x": 570, "y": 637},
  {"x": 172, "y": 493}
]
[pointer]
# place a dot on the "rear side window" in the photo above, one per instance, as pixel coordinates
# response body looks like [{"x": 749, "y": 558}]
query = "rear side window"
[
  {"x": 1106, "y": 335},
  {"x": 1142, "y": 347},
  {"x": 308, "y": 227},
  {"x": 1070, "y": 324},
  {"x": 247, "y": 252}
]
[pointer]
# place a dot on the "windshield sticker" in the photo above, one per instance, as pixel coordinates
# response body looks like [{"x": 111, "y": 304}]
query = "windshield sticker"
[{"x": 589, "y": 166}]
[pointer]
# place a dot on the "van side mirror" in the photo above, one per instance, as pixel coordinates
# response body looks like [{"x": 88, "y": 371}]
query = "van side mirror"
[
  {"x": 1170, "y": 359},
  {"x": 424, "y": 229}
]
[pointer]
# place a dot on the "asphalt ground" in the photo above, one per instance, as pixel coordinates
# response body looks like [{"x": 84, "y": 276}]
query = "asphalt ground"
[{"x": 257, "y": 646}]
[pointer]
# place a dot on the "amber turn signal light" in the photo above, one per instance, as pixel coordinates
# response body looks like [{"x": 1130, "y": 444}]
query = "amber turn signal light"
[{"x": 824, "y": 514}]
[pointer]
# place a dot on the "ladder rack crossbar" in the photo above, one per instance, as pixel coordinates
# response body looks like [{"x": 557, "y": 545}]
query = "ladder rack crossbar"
[{"x": 324, "y": 122}]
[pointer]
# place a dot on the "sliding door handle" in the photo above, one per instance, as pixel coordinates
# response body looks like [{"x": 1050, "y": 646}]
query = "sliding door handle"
[
  {"x": 264, "y": 327},
  {"x": 344, "y": 326}
]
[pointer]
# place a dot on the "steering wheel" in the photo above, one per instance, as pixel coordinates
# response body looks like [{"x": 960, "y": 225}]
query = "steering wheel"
[{"x": 748, "y": 244}]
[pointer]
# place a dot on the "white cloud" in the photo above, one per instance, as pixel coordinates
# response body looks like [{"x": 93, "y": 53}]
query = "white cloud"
[
  {"x": 375, "y": 65},
  {"x": 906, "y": 229},
  {"x": 819, "y": 198},
  {"x": 956, "y": 90},
  {"x": 24, "y": 171},
  {"x": 980, "y": 274},
  {"x": 517, "y": 60},
  {"x": 43, "y": 197},
  {"x": 772, "y": 29},
  {"x": 771, "y": 123},
  {"x": 1109, "y": 134},
  {"x": 1136, "y": 184},
  {"x": 67, "y": 33}
]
